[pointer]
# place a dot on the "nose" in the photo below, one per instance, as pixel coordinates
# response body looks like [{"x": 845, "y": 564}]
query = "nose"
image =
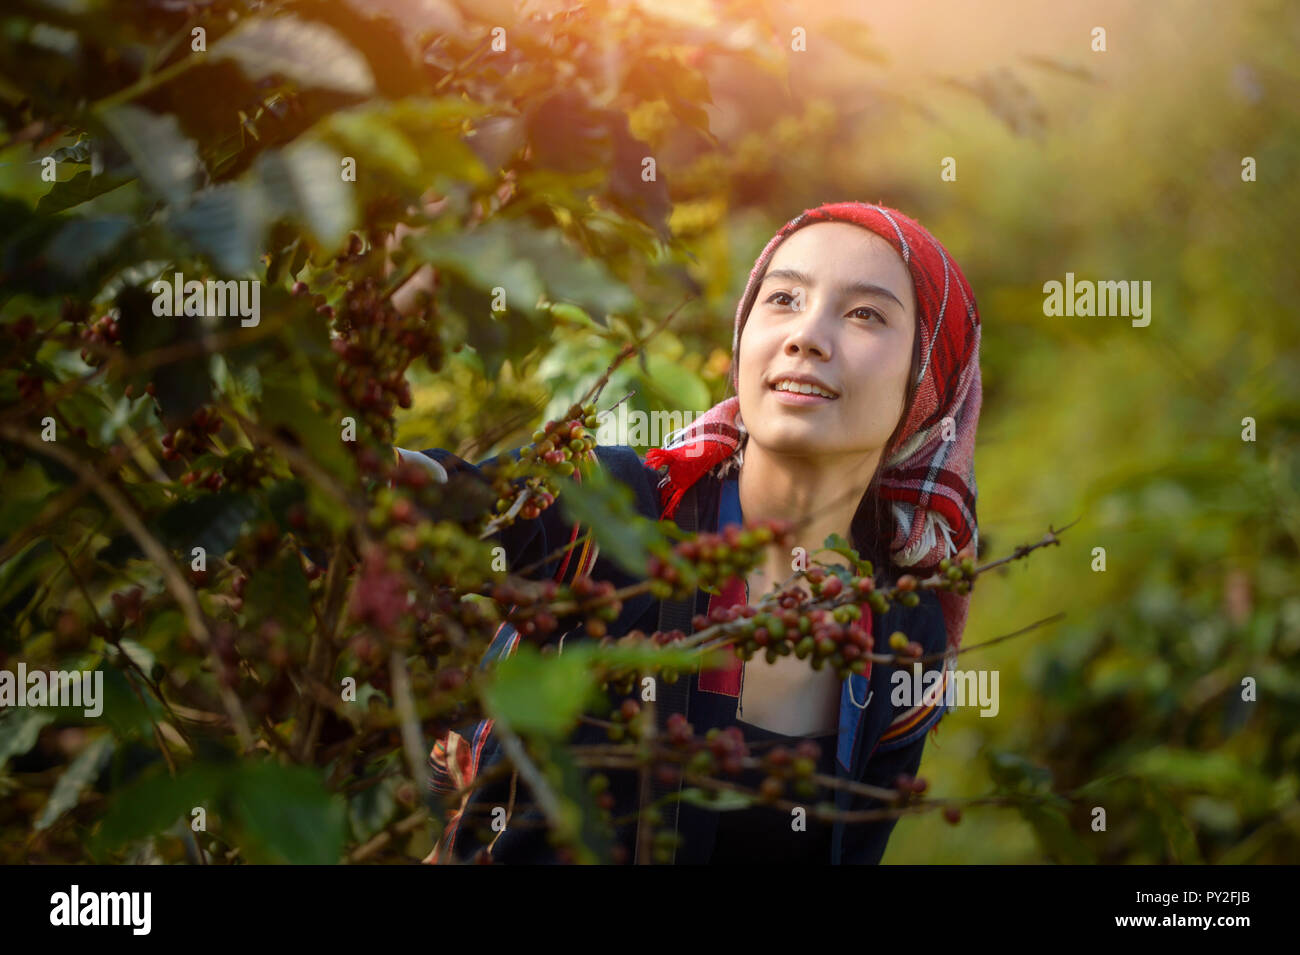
[{"x": 810, "y": 334}]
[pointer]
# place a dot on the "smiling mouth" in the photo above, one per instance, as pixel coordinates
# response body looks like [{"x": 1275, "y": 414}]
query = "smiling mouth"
[{"x": 802, "y": 390}]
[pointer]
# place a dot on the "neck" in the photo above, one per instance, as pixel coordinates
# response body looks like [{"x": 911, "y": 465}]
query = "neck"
[{"x": 819, "y": 493}]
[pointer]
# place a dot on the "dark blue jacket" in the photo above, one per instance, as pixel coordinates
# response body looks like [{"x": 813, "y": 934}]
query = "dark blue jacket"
[{"x": 874, "y": 744}]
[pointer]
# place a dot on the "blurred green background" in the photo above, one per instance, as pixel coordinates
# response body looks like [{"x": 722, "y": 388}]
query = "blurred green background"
[
  {"x": 1122, "y": 164},
  {"x": 1116, "y": 165}
]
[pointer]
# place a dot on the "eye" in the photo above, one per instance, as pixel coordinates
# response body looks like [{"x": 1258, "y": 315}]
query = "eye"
[
  {"x": 775, "y": 294},
  {"x": 870, "y": 311}
]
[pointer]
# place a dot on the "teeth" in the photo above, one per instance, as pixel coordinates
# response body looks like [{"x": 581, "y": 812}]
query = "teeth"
[{"x": 801, "y": 389}]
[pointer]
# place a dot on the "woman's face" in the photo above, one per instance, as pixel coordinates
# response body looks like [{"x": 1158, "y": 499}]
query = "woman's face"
[{"x": 835, "y": 305}]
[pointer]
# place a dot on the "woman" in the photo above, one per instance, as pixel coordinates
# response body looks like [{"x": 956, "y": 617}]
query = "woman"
[{"x": 855, "y": 365}]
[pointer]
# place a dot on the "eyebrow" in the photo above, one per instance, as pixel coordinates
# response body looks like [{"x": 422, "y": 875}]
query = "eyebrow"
[{"x": 862, "y": 288}]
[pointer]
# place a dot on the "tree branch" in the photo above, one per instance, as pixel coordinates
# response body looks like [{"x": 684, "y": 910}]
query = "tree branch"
[{"x": 172, "y": 577}]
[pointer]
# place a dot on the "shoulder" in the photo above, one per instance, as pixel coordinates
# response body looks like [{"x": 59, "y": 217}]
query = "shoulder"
[{"x": 624, "y": 464}]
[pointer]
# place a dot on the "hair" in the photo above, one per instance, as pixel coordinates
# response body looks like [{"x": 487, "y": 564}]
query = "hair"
[{"x": 872, "y": 530}]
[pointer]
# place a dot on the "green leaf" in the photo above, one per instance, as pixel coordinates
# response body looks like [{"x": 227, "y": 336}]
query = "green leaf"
[
  {"x": 1011, "y": 771},
  {"x": 496, "y": 337},
  {"x": 123, "y": 711},
  {"x": 606, "y": 506},
  {"x": 26, "y": 490},
  {"x": 167, "y": 161},
  {"x": 287, "y": 816},
  {"x": 21, "y": 571},
  {"x": 139, "y": 654},
  {"x": 525, "y": 262},
  {"x": 1179, "y": 836},
  {"x": 642, "y": 657},
  {"x": 648, "y": 201},
  {"x": 838, "y": 545},
  {"x": 165, "y": 627},
  {"x": 370, "y": 809},
  {"x": 679, "y": 387},
  {"x": 81, "y": 772},
  {"x": 308, "y": 53},
  {"x": 369, "y": 132},
  {"x": 568, "y": 275},
  {"x": 20, "y": 726},
  {"x": 570, "y": 781},
  {"x": 724, "y": 800},
  {"x": 227, "y": 223},
  {"x": 281, "y": 590},
  {"x": 154, "y": 801},
  {"x": 486, "y": 258},
  {"x": 495, "y": 140},
  {"x": 84, "y": 243},
  {"x": 285, "y": 404},
  {"x": 304, "y": 182},
  {"x": 211, "y": 521},
  {"x": 572, "y": 316},
  {"x": 1198, "y": 771},
  {"x": 1059, "y": 841},
  {"x": 80, "y": 188},
  {"x": 543, "y": 695}
]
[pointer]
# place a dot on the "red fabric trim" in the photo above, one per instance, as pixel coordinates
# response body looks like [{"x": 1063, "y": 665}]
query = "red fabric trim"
[{"x": 726, "y": 680}]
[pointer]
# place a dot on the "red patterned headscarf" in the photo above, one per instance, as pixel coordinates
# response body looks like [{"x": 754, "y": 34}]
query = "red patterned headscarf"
[{"x": 928, "y": 474}]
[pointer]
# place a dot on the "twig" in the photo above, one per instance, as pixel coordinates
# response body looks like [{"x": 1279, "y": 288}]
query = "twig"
[
  {"x": 723, "y": 634},
  {"x": 307, "y": 466},
  {"x": 308, "y": 715},
  {"x": 518, "y": 756},
  {"x": 644, "y": 839},
  {"x": 591, "y": 394},
  {"x": 207, "y": 344},
  {"x": 147, "y": 82},
  {"x": 49, "y": 514},
  {"x": 628, "y": 350},
  {"x": 988, "y": 643},
  {"x": 502, "y": 520},
  {"x": 276, "y": 739},
  {"x": 381, "y": 839},
  {"x": 666, "y": 755},
  {"x": 1024, "y": 549},
  {"x": 412, "y": 737},
  {"x": 172, "y": 577}
]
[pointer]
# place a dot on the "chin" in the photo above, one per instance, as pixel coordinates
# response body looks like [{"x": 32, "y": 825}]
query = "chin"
[{"x": 801, "y": 441}]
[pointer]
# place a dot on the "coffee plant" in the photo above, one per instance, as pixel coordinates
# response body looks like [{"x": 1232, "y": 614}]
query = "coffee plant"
[{"x": 396, "y": 209}]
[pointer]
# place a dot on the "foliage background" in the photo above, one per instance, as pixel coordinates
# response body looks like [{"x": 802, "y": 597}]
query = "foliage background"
[{"x": 1117, "y": 165}]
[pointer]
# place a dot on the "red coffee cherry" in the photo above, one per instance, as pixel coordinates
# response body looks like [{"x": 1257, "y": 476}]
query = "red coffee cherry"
[
  {"x": 771, "y": 789},
  {"x": 452, "y": 679}
]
